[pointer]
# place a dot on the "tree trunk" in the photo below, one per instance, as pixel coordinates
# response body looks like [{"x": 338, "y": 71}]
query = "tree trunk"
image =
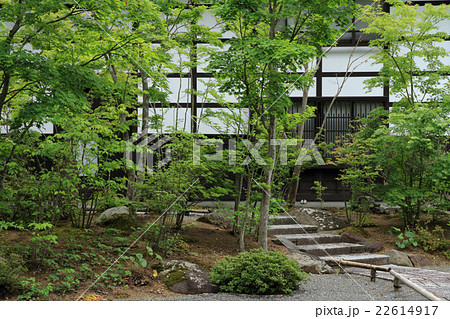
[
  {"x": 293, "y": 188},
  {"x": 237, "y": 201},
  {"x": 131, "y": 174},
  {"x": 267, "y": 187},
  {"x": 145, "y": 101},
  {"x": 247, "y": 207}
]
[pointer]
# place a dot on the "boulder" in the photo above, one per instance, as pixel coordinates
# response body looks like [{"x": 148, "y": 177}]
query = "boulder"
[
  {"x": 399, "y": 258},
  {"x": 310, "y": 264},
  {"x": 113, "y": 214},
  {"x": 386, "y": 209},
  {"x": 187, "y": 278},
  {"x": 419, "y": 260},
  {"x": 370, "y": 246},
  {"x": 217, "y": 219},
  {"x": 352, "y": 237}
]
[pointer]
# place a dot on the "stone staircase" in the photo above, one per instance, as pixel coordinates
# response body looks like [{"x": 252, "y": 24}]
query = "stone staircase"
[{"x": 326, "y": 246}]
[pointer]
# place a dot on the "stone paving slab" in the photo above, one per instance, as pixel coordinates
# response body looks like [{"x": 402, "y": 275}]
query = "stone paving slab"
[
  {"x": 436, "y": 282},
  {"x": 290, "y": 229}
]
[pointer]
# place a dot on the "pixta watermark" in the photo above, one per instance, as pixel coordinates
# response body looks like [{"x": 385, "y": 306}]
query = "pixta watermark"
[
  {"x": 141, "y": 151},
  {"x": 254, "y": 150}
]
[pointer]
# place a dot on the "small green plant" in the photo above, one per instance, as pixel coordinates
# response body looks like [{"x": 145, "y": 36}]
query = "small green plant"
[
  {"x": 42, "y": 240},
  {"x": 138, "y": 260},
  {"x": 10, "y": 225},
  {"x": 153, "y": 254},
  {"x": 406, "y": 238},
  {"x": 257, "y": 272},
  {"x": 319, "y": 189},
  {"x": 34, "y": 290}
]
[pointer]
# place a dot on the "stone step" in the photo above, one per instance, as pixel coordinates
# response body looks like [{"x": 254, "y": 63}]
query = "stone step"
[
  {"x": 282, "y": 220},
  {"x": 374, "y": 259},
  {"x": 332, "y": 249},
  {"x": 311, "y": 239},
  {"x": 290, "y": 229}
]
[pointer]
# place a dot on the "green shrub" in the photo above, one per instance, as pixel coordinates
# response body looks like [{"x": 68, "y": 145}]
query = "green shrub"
[
  {"x": 432, "y": 240},
  {"x": 258, "y": 273},
  {"x": 11, "y": 270}
]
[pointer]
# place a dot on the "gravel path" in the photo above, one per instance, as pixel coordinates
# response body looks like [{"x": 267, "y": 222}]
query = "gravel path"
[{"x": 334, "y": 287}]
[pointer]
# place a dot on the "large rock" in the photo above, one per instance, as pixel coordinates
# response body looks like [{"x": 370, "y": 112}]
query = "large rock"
[
  {"x": 310, "y": 264},
  {"x": 419, "y": 260},
  {"x": 372, "y": 246},
  {"x": 399, "y": 258},
  {"x": 217, "y": 219},
  {"x": 369, "y": 246},
  {"x": 386, "y": 209},
  {"x": 113, "y": 214},
  {"x": 187, "y": 278},
  {"x": 352, "y": 237}
]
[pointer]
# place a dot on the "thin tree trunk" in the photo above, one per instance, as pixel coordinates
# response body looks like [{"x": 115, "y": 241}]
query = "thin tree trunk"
[
  {"x": 237, "y": 201},
  {"x": 267, "y": 187},
  {"x": 145, "y": 101},
  {"x": 131, "y": 174},
  {"x": 272, "y": 132},
  {"x": 247, "y": 206},
  {"x": 293, "y": 188}
]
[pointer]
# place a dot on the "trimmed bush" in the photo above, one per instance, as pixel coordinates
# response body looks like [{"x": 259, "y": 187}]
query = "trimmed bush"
[{"x": 257, "y": 273}]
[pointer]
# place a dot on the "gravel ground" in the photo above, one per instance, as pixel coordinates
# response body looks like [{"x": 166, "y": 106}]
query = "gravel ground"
[{"x": 336, "y": 287}]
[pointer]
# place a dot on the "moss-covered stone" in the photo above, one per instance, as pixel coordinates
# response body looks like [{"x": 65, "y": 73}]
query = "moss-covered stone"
[{"x": 175, "y": 276}]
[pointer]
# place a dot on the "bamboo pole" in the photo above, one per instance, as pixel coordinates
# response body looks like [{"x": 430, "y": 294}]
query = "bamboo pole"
[
  {"x": 373, "y": 268},
  {"x": 422, "y": 291},
  {"x": 360, "y": 265}
]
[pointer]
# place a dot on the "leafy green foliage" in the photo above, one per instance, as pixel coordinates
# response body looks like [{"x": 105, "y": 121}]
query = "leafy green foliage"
[
  {"x": 319, "y": 189},
  {"x": 406, "y": 238},
  {"x": 432, "y": 240},
  {"x": 257, "y": 272},
  {"x": 34, "y": 290},
  {"x": 399, "y": 156}
]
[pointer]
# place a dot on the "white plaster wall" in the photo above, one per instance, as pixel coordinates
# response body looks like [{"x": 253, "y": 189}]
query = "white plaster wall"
[
  {"x": 419, "y": 95},
  {"x": 214, "y": 25},
  {"x": 46, "y": 128},
  {"x": 206, "y": 86},
  {"x": 203, "y": 57},
  {"x": 299, "y": 93},
  {"x": 178, "y": 58},
  {"x": 183, "y": 118},
  {"x": 178, "y": 90},
  {"x": 353, "y": 86},
  {"x": 218, "y": 125},
  {"x": 341, "y": 59}
]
